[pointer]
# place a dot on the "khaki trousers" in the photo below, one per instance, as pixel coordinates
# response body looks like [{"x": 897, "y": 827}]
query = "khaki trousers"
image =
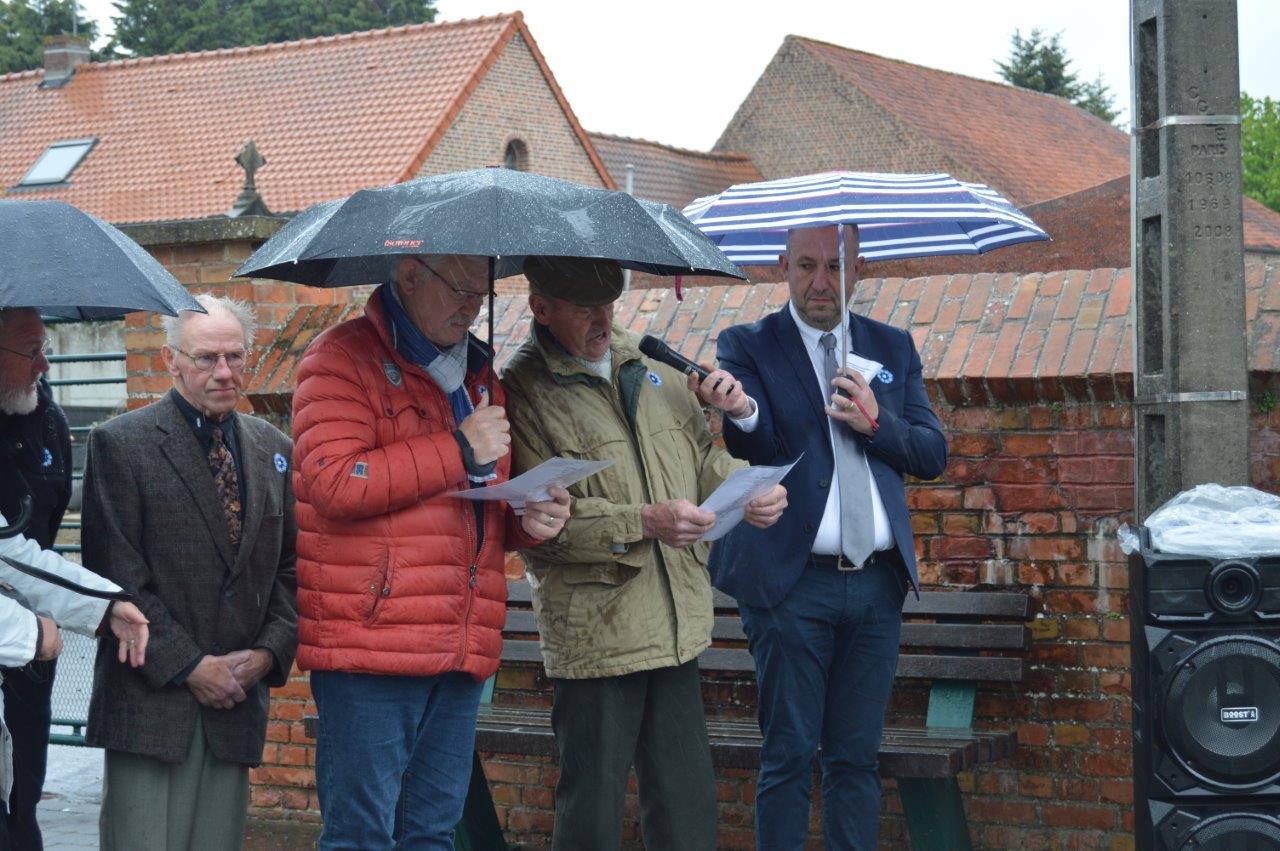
[{"x": 151, "y": 805}]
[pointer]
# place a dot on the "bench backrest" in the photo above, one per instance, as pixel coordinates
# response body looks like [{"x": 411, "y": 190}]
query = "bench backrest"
[{"x": 943, "y": 634}]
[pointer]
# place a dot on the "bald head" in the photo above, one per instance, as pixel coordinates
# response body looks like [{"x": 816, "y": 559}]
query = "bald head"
[{"x": 811, "y": 265}]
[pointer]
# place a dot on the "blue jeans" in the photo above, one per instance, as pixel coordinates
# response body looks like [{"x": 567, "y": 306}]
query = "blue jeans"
[
  {"x": 393, "y": 758},
  {"x": 825, "y": 661}
]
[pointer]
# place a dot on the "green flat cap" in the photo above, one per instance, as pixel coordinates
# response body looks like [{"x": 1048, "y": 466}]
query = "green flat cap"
[{"x": 578, "y": 280}]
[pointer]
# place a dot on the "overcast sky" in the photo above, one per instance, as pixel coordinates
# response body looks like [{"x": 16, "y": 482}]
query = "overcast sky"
[{"x": 675, "y": 71}]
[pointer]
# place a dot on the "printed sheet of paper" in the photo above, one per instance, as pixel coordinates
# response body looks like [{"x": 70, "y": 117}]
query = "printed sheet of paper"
[
  {"x": 729, "y": 501},
  {"x": 533, "y": 485},
  {"x": 865, "y": 367}
]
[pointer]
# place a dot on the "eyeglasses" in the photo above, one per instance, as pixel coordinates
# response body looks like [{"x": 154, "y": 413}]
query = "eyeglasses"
[
  {"x": 459, "y": 295},
  {"x": 45, "y": 348},
  {"x": 207, "y": 362}
]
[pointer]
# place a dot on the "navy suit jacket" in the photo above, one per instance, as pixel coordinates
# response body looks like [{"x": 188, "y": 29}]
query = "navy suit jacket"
[{"x": 759, "y": 566}]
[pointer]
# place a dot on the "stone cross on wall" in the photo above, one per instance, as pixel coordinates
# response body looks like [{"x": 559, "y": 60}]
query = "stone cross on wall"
[{"x": 250, "y": 202}]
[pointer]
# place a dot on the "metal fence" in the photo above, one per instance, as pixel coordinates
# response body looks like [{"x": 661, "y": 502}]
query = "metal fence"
[{"x": 74, "y": 681}]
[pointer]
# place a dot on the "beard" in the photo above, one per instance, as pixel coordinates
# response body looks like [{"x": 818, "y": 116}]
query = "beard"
[{"x": 19, "y": 401}]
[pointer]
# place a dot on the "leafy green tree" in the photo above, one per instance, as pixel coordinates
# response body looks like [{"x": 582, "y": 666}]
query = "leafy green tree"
[
  {"x": 24, "y": 24},
  {"x": 1040, "y": 63},
  {"x": 156, "y": 27},
  {"x": 1260, "y": 149}
]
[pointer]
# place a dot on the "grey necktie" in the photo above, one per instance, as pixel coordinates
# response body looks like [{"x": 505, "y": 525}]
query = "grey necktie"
[{"x": 857, "y": 527}]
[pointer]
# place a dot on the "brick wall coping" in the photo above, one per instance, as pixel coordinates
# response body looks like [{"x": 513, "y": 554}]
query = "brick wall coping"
[
  {"x": 212, "y": 229},
  {"x": 983, "y": 338}
]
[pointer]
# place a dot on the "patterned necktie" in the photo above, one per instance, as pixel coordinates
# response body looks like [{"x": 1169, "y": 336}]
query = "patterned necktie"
[
  {"x": 225, "y": 479},
  {"x": 857, "y": 528}
]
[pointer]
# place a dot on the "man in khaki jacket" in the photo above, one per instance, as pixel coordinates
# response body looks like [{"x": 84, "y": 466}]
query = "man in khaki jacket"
[{"x": 622, "y": 594}]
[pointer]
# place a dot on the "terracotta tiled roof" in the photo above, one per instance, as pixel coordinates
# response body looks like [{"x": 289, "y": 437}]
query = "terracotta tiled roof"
[
  {"x": 1090, "y": 230},
  {"x": 982, "y": 338},
  {"x": 672, "y": 175},
  {"x": 1028, "y": 145},
  {"x": 330, "y": 115}
]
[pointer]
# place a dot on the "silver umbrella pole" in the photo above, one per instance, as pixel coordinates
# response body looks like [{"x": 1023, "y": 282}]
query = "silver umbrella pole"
[
  {"x": 844, "y": 307},
  {"x": 840, "y": 362}
]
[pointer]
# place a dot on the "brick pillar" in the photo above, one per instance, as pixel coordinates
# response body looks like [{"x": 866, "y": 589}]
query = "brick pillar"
[{"x": 203, "y": 254}]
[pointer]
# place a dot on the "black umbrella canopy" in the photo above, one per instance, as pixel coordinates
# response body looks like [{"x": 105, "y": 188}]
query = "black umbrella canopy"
[
  {"x": 490, "y": 212},
  {"x": 66, "y": 262}
]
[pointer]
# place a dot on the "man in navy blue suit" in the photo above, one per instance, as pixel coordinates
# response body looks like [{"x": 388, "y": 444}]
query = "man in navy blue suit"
[{"x": 821, "y": 591}]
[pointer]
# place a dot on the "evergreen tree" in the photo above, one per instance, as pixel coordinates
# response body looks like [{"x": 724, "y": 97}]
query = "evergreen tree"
[
  {"x": 157, "y": 27},
  {"x": 24, "y": 25},
  {"x": 1040, "y": 63},
  {"x": 1096, "y": 97}
]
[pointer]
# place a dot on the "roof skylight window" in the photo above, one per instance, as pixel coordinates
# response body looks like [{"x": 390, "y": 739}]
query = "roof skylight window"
[{"x": 57, "y": 162}]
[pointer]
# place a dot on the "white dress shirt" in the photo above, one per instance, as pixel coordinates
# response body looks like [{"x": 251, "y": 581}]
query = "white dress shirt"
[{"x": 827, "y": 541}]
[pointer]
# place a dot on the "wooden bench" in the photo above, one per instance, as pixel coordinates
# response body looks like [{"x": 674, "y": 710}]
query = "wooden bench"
[{"x": 950, "y": 639}]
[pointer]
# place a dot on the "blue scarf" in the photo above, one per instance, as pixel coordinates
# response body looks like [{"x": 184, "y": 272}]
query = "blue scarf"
[{"x": 415, "y": 346}]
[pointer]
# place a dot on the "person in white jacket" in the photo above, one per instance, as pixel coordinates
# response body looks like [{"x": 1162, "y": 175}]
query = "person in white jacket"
[{"x": 32, "y": 610}]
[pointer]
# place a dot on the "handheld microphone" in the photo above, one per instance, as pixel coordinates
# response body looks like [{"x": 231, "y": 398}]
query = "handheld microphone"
[{"x": 660, "y": 351}]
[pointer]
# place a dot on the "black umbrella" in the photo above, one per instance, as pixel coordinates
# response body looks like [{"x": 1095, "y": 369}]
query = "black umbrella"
[
  {"x": 497, "y": 213},
  {"x": 68, "y": 263},
  {"x": 487, "y": 212}
]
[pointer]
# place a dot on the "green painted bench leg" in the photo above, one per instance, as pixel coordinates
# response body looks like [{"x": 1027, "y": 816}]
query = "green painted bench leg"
[
  {"x": 935, "y": 814},
  {"x": 933, "y": 807}
]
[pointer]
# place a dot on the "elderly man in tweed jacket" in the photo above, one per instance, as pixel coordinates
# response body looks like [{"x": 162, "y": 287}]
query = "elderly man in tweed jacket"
[{"x": 188, "y": 506}]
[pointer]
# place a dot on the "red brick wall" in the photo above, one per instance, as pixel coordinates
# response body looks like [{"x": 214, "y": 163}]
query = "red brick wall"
[
  {"x": 1031, "y": 377},
  {"x": 206, "y": 265},
  {"x": 1030, "y": 501}
]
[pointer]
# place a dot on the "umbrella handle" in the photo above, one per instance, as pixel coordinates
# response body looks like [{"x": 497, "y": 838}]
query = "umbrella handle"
[
  {"x": 493, "y": 349},
  {"x": 21, "y": 523},
  {"x": 61, "y": 582}
]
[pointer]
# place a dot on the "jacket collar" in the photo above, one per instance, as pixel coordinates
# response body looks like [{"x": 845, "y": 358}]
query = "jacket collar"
[
  {"x": 478, "y": 354},
  {"x": 566, "y": 369}
]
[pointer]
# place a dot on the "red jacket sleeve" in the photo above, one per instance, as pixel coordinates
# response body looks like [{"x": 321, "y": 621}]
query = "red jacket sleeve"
[{"x": 335, "y": 430}]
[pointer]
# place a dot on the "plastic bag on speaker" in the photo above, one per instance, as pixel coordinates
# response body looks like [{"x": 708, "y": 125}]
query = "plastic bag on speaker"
[{"x": 1213, "y": 521}]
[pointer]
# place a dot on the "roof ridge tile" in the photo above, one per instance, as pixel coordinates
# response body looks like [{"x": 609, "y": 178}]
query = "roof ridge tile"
[
  {"x": 916, "y": 65},
  {"x": 715, "y": 155}
]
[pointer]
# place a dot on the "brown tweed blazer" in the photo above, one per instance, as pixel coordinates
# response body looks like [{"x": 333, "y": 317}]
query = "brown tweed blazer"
[{"x": 152, "y": 523}]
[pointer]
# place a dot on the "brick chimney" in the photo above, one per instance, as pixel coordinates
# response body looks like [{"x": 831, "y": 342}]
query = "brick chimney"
[{"x": 62, "y": 53}]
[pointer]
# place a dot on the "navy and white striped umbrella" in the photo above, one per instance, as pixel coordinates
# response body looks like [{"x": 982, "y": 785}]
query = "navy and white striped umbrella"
[{"x": 898, "y": 215}]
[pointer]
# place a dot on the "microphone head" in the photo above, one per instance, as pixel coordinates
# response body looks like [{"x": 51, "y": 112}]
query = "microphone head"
[{"x": 653, "y": 347}]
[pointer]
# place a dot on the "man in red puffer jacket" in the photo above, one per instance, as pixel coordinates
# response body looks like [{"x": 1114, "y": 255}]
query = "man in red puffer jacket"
[{"x": 401, "y": 593}]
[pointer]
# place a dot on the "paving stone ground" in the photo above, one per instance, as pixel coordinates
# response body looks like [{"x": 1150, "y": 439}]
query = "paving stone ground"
[{"x": 73, "y": 795}]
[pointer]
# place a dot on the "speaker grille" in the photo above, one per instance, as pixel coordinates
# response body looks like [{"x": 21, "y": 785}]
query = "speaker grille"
[
  {"x": 1234, "y": 833},
  {"x": 1222, "y": 712}
]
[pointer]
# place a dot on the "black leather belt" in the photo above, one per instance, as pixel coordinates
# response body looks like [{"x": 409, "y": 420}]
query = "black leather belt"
[{"x": 879, "y": 557}]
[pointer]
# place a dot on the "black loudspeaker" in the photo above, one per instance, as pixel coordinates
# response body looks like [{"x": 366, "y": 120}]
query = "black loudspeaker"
[
  {"x": 1214, "y": 827},
  {"x": 1205, "y": 642}
]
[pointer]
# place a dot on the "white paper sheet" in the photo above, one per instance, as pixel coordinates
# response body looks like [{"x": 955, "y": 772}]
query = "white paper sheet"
[
  {"x": 729, "y": 501},
  {"x": 533, "y": 485},
  {"x": 865, "y": 367}
]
